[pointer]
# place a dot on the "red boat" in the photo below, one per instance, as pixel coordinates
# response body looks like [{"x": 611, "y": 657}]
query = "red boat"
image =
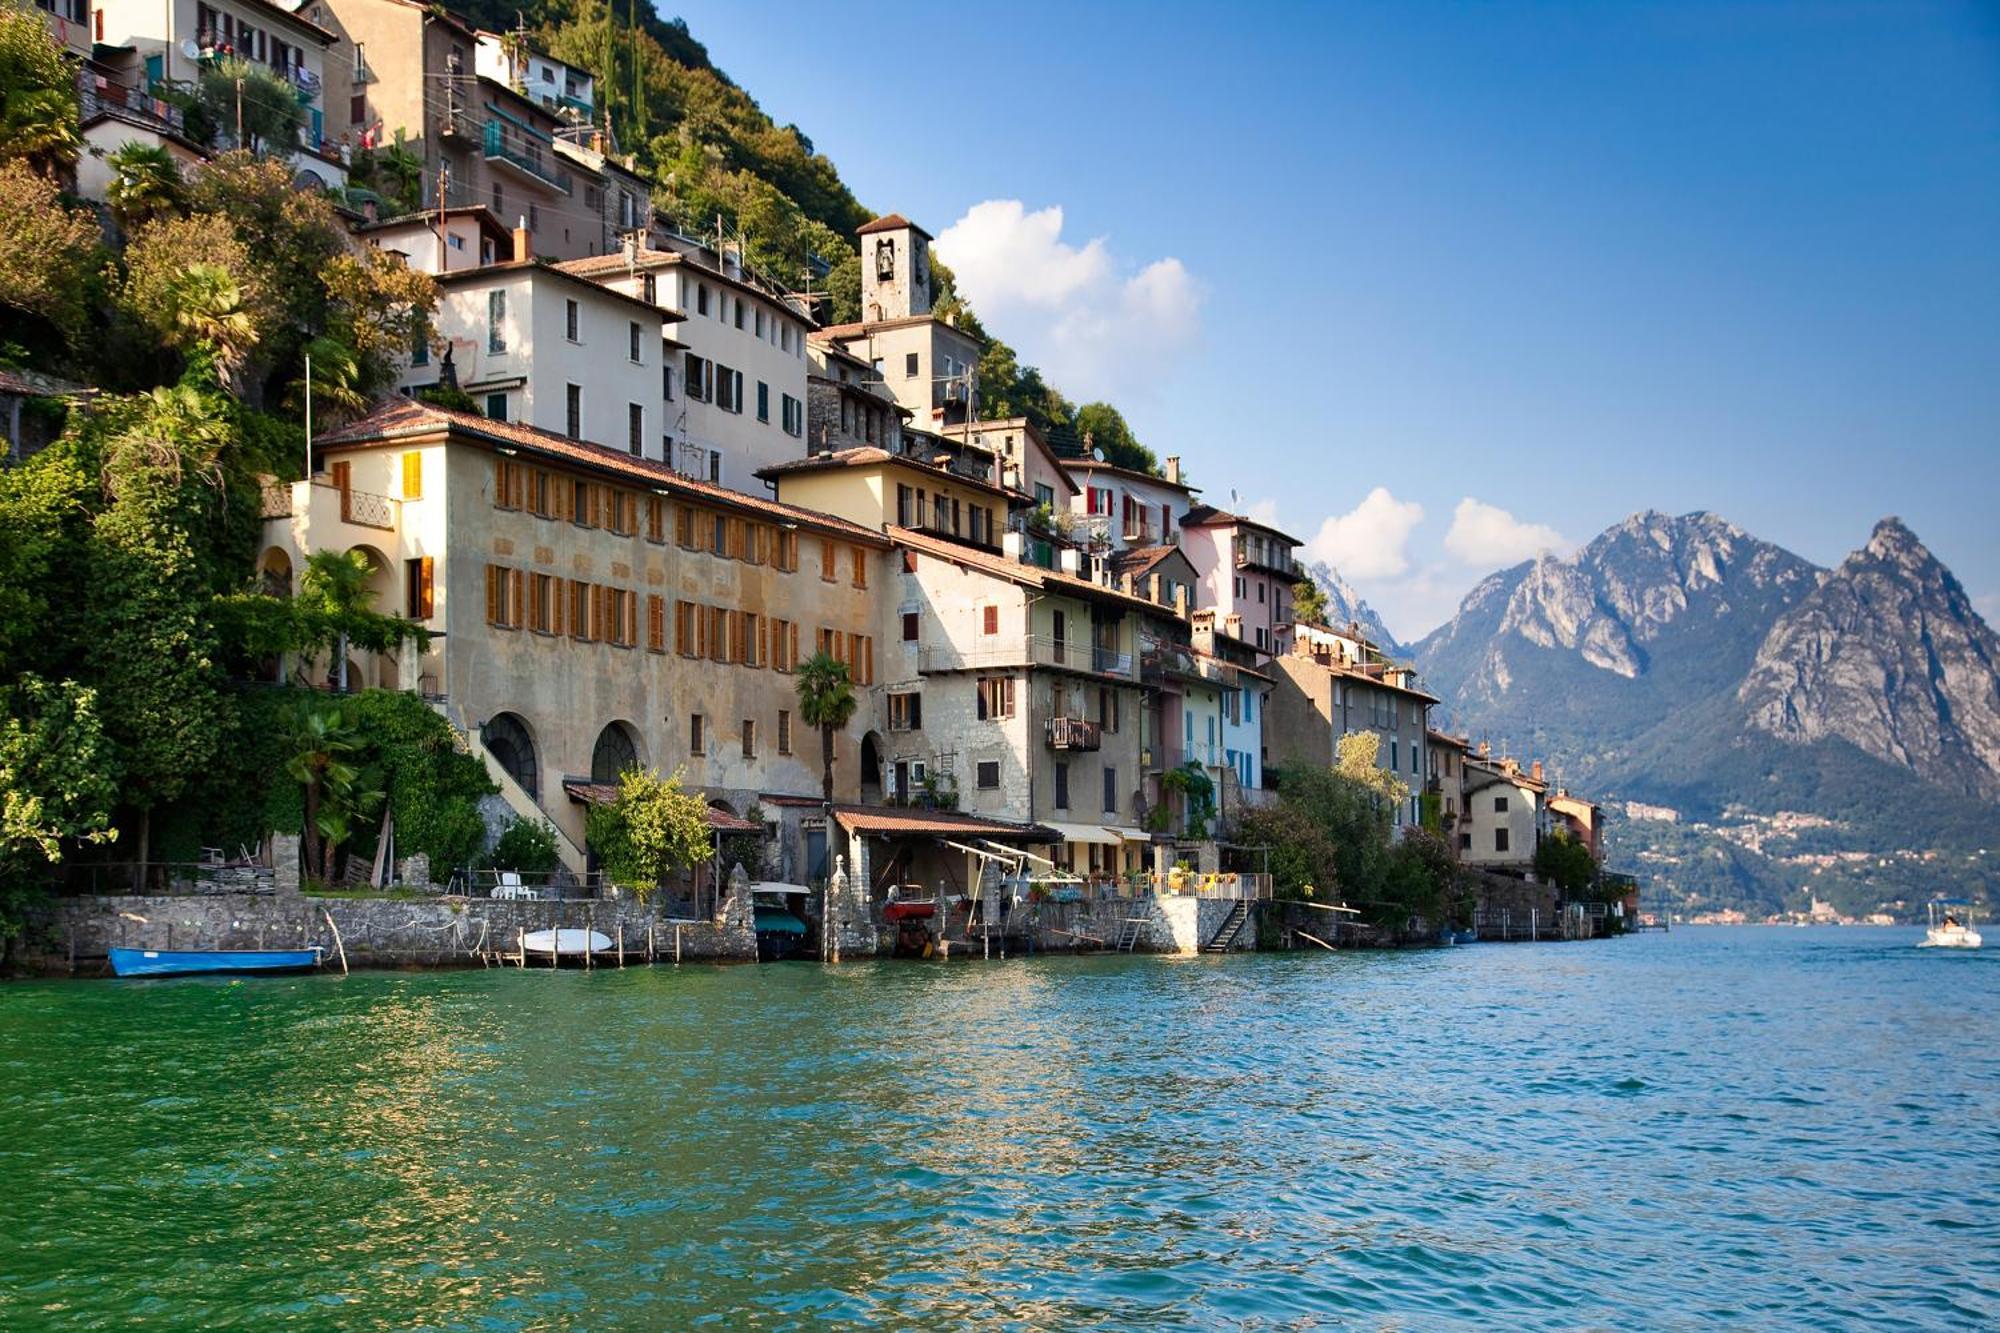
[{"x": 911, "y": 911}]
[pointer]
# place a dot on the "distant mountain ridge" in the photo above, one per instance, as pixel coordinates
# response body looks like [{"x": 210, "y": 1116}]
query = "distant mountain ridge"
[
  {"x": 1684, "y": 662},
  {"x": 1345, "y": 606}
]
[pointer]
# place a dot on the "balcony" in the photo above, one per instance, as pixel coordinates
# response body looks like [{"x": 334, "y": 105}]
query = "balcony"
[
  {"x": 134, "y": 106},
  {"x": 1030, "y": 651},
  {"x": 1160, "y": 758},
  {"x": 1259, "y": 555},
  {"x": 494, "y": 145},
  {"x": 1073, "y": 733}
]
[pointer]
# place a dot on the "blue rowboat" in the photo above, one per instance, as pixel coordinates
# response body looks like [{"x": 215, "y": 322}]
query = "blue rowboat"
[{"x": 182, "y": 962}]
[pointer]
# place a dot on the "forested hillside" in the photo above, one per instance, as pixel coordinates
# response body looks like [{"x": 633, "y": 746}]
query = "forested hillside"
[{"x": 715, "y": 153}]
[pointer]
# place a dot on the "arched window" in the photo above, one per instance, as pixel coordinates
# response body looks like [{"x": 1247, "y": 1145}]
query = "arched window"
[
  {"x": 507, "y": 737},
  {"x": 614, "y": 753}
]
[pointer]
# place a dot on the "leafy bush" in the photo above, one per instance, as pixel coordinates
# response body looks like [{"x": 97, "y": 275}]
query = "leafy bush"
[{"x": 527, "y": 846}]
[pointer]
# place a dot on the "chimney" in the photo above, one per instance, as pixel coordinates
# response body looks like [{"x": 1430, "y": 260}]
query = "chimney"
[
  {"x": 1536, "y": 770},
  {"x": 1174, "y": 470},
  {"x": 523, "y": 250}
]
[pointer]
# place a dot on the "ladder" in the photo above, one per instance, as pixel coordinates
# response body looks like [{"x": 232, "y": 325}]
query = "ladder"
[
  {"x": 1129, "y": 932},
  {"x": 1232, "y": 926}
]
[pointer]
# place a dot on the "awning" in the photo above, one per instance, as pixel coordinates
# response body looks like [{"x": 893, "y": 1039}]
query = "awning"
[
  {"x": 894, "y": 821},
  {"x": 1091, "y": 833},
  {"x": 1137, "y": 835}
]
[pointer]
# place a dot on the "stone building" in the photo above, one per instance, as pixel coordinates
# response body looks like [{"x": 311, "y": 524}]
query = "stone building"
[
  {"x": 926, "y": 362},
  {"x": 1330, "y": 685},
  {"x": 847, "y": 405},
  {"x": 592, "y": 609},
  {"x": 1505, "y": 815}
]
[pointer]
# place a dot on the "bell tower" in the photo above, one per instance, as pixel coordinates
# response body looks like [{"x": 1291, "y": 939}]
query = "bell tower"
[{"x": 895, "y": 268}]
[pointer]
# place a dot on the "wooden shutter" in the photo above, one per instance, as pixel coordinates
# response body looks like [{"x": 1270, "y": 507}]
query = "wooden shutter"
[
  {"x": 494, "y": 576},
  {"x": 413, "y": 476},
  {"x": 656, "y": 623},
  {"x": 426, "y": 588},
  {"x": 629, "y": 603},
  {"x": 867, "y": 659}
]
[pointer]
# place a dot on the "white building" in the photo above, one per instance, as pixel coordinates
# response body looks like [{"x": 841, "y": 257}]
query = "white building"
[
  {"x": 925, "y": 361},
  {"x": 1132, "y": 509},
  {"x": 534, "y": 343},
  {"x": 567, "y": 90},
  {"x": 736, "y": 401}
]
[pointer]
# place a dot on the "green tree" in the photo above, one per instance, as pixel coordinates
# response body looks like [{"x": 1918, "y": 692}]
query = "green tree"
[
  {"x": 1422, "y": 884},
  {"x": 57, "y": 776},
  {"x": 38, "y": 97},
  {"x": 145, "y": 185},
  {"x": 527, "y": 846},
  {"x": 651, "y": 830},
  {"x": 826, "y": 701},
  {"x": 1308, "y": 602},
  {"x": 1104, "y": 428},
  {"x": 339, "y": 791},
  {"x": 49, "y": 255},
  {"x": 1565, "y": 861},
  {"x": 250, "y": 105}
]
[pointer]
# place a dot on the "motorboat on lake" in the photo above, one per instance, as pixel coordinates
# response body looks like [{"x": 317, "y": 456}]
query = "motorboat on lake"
[{"x": 1950, "y": 925}]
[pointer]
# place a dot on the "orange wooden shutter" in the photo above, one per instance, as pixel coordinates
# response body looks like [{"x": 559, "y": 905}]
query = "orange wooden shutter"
[
  {"x": 426, "y": 596},
  {"x": 493, "y": 576},
  {"x": 515, "y": 583}
]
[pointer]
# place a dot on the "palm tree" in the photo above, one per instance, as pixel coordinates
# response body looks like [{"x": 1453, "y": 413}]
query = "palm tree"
[
  {"x": 207, "y": 320},
  {"x": 826, "y": 701},
  {"x": 39, "y": 126},
  {"x": 338, "y": 791},
  {"x": 404, "y": 170},
  {"x": 145, "y": 184},
  {"x": 333, "y": 592}
]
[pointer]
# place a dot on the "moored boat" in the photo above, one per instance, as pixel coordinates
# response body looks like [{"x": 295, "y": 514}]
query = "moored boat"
[
  {"x": 190, "y": 962},
  {"x": 566, "y": 942}
]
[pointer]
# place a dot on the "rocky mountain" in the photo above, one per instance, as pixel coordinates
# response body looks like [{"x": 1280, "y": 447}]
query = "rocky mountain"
[
  {"x": 1887, "y": 654},
  {"x": 1345, "y": 606},
  {"x": 1680, "y": 662}
]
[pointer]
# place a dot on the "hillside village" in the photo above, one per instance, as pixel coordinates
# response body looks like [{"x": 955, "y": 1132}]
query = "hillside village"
[{"x": 622, "y": 487}]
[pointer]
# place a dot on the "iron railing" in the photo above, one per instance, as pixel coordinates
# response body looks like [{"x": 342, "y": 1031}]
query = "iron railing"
[
  {"x": 1073, "y": 733},
  {"x": 1024, "y": 651}
]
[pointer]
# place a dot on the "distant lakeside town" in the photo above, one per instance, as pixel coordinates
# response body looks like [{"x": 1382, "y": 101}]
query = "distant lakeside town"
[{"x": 619, "y": 520}]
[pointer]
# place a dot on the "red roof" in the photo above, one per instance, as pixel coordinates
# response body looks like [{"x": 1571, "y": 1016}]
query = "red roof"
[
  {"x": 940, "y": 823},
  {"x": 891, "y": 222},
  {"x": 402, "y": 418},
  {"x": 1015, "y": 571}
]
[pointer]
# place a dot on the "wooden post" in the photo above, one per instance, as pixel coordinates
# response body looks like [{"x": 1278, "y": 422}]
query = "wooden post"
[
  {"x": 621, "y": 941},
  {"x": 521, "y": 946},
  {"x": 649, "y": 942},
  {"x": 677, "y": 944},
  {"x": 589, "y": 929},
  {"x": 341, "y": 948}
]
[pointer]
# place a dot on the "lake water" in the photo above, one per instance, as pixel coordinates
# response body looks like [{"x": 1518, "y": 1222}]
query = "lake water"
[{"x": 1761, "y": 1126}]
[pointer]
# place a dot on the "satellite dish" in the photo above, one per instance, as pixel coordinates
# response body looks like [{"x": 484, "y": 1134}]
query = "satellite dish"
[
  {"x": 189, "y": 49},
  {"x": 1097, "y": 454}
]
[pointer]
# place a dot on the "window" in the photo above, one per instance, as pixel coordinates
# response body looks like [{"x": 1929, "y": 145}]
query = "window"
[
  {"x": 496, "y": 320},
  {"x": 620, "y": 611},
  {"x": 784, "y": 731},
  {"x": 989, "y": 617},
  {"x": 795, "y": 417},
  {"x": 684, "y": 628},
  {"x": 1110, "y": 790},
  {"x": 700, "y": 378},
  {"x": 496, "y": 406},
  {"x": 903, "y": 495},
  {"x": 1260, "y": 590},
  {"x": 760, "y": 321},
  {"x": 650, "y": 285},
  {"x": 413, "y": 476},
  {"x": 1062, "y": 786},
  {"x": 420, "y": 351},
  {"x": 763, "y": 401},
  {"x": 988, "y": 774},
  {"x": 728, "y": 389},
  {"x": 503, "y": 597},
  {"x": 581, "y": 606},
  {"x": 1395, "y": 755},
  {"x": 666, "y": 377},
  {"x": 749, "y": 738},
  {"x": 1045, "y": 495},
  {"x": 715, "y": 466},
  {"x": 996, "y": 698},
  {"x": 906, "y": 712},
  {"x": 582, "y": 504},
  {"x": 718, "y": 535},
  {"x": 859, "y": 561},
  {"x": 753, "y": 639},
  {"x": 534, "y": 217},
  {"x": 697, "y": 739},
  {"x": 632, "y": 343},
  {"x": 910, "y": 366},
  {"x": 911, "y": 626},
  {"x": 656, "y": 519},
  {"x": 1499, "y": 805},
  {"x": 701, "y": 298},
  {"x": 739, "y": 312},
  {"x": 509, "y": 480},
  {"x": 784, "y": 645},
  {"x": 571, "y": 321},
  {"x": 419, "y": 598},
  {"x": 574, "y": 394},
  {"x": 1499, "y": 840},
  {"x": 829, "y": 560},
  {"x": 656, "y": 623}
]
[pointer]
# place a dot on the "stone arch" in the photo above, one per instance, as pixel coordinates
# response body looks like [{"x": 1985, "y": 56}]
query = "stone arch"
[
  {"x": 507, "y": 737},
  {"x": 617, "y": 749},
  {"x": 274, "y": 572},
  {"x": 871, "y": 769},
  {"x": 381, "y": 580}
]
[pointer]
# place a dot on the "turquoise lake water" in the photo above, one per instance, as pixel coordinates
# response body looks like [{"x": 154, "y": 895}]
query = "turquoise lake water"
[{"x": 1763, "y": 1127}]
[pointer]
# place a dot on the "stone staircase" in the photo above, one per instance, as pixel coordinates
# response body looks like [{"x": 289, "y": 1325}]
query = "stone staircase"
[{"x": 1232, "y": 925}]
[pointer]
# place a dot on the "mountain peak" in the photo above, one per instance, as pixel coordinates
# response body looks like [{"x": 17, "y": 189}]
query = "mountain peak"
[{"x": 1893, "y": 540}]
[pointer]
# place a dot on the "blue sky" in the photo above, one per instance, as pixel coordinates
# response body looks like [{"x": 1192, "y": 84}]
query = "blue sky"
[{"x": 1436, "y": 284}]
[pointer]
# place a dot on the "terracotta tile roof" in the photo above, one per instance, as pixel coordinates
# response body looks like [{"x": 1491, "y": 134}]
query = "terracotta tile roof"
[
  {"x": 598, "y": 267},
  {"x": 34, "y": 384},
  {"x": 868, "y": 455},
  {"x": 865, "y": 327},
  {"x": 485, "y": 272},
  {"x": 943, "y": 823},
  {"x": 1014, "y": 571},
  {"x": 1208, "y": 516},
  {"x": 1141, "y": 559},
  {"x": 1094, "y": 465},
  {"x": 891, "y": 222},
  {"x": 402, "y": 418}
]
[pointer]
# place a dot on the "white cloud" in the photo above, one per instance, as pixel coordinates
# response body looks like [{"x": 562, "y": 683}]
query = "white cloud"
[
  {"x": 1067, "y": 308},
  {"x": 1371, "y": 540},
  {"x": 1487, "y": 535},
  {"x": 1262, "y": 511}
]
